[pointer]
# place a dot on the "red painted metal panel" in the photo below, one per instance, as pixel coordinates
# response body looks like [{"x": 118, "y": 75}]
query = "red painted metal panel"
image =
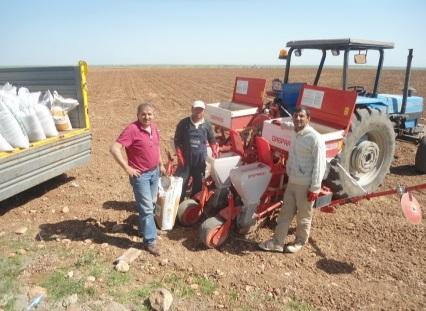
[
  {"x": 264, "y": 151},
  {"x": 240, "y": 123},
  {"x": 237, "y": 144},
  {"x": 330, "y": 107},
  {"x": 331, "y": 152},
  {"x": 249, "y": 91}
]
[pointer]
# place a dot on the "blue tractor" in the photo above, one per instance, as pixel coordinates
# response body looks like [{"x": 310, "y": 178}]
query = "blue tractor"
[{"x": 377, "y": 121}]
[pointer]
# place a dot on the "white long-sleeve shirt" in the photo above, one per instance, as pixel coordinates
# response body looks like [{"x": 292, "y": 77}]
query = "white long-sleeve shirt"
[{"x": 307, "y": 158}]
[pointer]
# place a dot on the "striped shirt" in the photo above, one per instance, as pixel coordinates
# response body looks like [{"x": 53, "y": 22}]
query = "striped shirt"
[{"x": 307, "y": 158}]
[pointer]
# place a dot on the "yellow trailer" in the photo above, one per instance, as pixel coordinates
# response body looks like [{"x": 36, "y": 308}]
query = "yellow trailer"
[{"x": 22, "y": 169}]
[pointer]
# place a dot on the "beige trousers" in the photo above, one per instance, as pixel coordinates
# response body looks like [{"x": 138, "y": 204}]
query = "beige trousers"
[{"x": 295, "y": 203}]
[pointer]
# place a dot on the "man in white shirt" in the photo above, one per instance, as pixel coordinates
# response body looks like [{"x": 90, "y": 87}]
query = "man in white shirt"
[{"x": 305, "y": 169}]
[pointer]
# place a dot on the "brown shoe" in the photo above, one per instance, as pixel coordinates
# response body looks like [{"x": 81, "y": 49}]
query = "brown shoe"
[{"x": 152, "y": 249}]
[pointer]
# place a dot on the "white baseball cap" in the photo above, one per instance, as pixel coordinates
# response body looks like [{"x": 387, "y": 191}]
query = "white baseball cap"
[{"x": 198, "y": 104}]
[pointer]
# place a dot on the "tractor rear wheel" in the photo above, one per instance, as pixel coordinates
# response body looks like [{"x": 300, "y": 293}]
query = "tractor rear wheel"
[
  {"x": 210, "y": 233},
  {"x": 188, "y": 212},
  {"x": 420, "y": 163},
  {"x": 366, "y": 156}
]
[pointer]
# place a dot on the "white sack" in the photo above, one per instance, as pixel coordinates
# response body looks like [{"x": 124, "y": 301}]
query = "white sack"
[
  {"x": 46, "y": 99},
  {"x": 28, "y": 115},
  {"x": 8, "y": 88},
  {"x": 4, "y": 145},
  {"x": 10, "y": 128},
  {"x": 46, "y": 120},
  {"x": 61, "y": 118},
  {"x": 67, "y": 104},
  {"x": 169, "y": 191},
  {"x": 33, "y": 127}
]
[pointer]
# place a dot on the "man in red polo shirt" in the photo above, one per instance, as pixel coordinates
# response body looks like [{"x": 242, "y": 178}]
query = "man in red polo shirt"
[{"x": 141, "y": 142}]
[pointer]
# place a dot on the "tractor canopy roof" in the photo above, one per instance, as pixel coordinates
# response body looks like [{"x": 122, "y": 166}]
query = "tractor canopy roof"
[{"x": 340, "y": 44}]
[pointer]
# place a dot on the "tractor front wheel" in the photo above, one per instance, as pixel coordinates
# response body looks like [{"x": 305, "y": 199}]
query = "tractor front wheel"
[
  {"x": 211, "y": 234},
  {"x": 189, "y": 212},
  {"x": 366, "y": 156}
]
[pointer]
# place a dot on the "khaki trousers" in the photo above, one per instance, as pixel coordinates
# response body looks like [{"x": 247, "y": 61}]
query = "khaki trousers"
[{"x": 295, "y": 203}]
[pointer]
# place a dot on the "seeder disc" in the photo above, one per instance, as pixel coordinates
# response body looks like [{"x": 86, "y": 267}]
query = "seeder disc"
[{"x": 411, "y": 208}]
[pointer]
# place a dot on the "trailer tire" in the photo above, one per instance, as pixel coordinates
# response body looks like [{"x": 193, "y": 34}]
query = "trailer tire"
[
  {"x": 366, "y": 156},
  {"x": 420, "y": 162}
]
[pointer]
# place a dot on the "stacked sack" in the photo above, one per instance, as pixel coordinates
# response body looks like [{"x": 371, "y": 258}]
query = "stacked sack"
[
  {"x": 26, "y": 117},
  {"x": 12, "y": 127},
  {"x": 60, "y": 108}
]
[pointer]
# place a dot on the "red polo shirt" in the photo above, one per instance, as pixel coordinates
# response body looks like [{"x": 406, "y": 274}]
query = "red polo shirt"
[{"x": 142, "y": 147}]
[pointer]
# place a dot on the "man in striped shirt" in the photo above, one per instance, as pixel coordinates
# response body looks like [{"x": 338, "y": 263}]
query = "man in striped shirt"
[{"x": 305, "y": 169}]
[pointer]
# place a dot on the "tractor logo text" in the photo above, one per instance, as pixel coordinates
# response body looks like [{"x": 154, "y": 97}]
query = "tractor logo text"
[
  {"x": 281, "y": 141},
  {"x": 256, "y": 175}
]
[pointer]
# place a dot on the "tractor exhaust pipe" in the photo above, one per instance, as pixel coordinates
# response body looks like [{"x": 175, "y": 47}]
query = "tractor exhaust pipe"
[{"x": 407, "y": 81}]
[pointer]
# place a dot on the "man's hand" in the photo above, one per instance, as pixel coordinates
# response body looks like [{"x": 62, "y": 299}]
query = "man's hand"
[
  {"x": 312, "y": 196},
  {"x": 215, "y": 150},
  {"x": 163, "y": 169},
  {"x": 133, "y": 172},
  {"x": 180, "y": 157},
  {"x": 116, "y": 151}
]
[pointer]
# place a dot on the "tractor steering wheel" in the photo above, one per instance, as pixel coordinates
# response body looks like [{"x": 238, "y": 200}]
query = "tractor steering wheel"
[{"x": 359, "y": 89}]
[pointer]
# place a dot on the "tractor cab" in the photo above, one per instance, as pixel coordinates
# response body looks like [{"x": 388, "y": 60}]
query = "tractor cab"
[
  {"x": 404, "y": 109},
  {"x": 358, "y": 49}
]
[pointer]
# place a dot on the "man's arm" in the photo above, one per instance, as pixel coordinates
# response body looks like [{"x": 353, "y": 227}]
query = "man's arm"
[
  {"x": 211, "y": 138},
  {"x": 319, "y": 158},
  {"x": 116, "y": 151},
  {"x": 178, "y": 138},
  {"x": 179, "y": 143},
  {"x": 162, "y": 167},
  {"x": 210, "y": 134}
]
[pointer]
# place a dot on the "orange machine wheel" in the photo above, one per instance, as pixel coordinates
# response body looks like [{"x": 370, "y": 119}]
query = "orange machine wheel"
[
  {"x": 189, "y": 212},
  {"x": 212, "y": 233}
]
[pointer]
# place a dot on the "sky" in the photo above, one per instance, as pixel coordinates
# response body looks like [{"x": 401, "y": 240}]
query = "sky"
[{"x": 199, "y": 32}]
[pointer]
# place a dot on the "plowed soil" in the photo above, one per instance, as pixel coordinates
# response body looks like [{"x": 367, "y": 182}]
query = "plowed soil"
[{"x": 366, "y": 256}]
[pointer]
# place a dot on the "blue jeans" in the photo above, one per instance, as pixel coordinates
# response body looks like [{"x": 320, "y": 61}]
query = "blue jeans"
[{"x": 145, "y": 188}]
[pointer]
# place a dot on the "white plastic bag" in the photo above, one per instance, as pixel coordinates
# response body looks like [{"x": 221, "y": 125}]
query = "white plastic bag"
[
  {"x": 4, "y": 145},
  {"x": 60, "y": 108},
  {"x": 28, "y": 116},
  {"x": 33, "y": 126},
  {"x": 13, "y": 103},
  {"x": 10, "y": 129},
  {"x": 169, "y": 191},
  {"x": 46, "y": 120},
  {"x": 8, "y": 88},
  {"x": 67, "y": 104},
  {"x": 46, "y": 99}
]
